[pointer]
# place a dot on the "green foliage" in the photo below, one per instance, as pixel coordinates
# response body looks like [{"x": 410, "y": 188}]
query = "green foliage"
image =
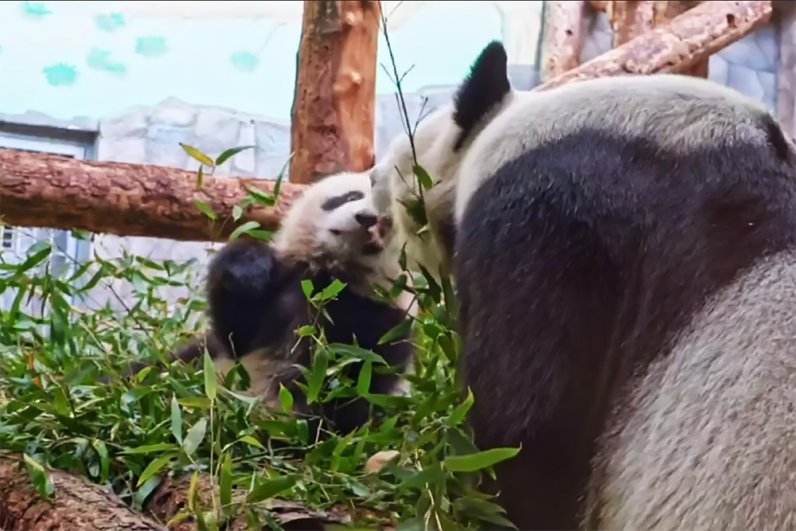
[{"x": 128, "y": 433}]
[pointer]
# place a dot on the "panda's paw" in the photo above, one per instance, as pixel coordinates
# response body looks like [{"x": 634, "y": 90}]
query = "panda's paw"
[{"x": 243, "y": 266}]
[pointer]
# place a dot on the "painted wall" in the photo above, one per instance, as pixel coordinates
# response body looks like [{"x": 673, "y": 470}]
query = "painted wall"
[{"x": 100, "y": 58}]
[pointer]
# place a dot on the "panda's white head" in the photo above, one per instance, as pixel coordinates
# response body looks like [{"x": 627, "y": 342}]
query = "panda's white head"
[
  {"x": 334, "y": 224},
  {"x": 439, "y": 144}
]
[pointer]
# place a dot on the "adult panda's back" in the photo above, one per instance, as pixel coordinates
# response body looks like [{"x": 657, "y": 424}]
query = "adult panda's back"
[
  {"x": 579, "y": 262},
  {"x": 679, "y": 114},
  {"x": 706, "y": 438}
]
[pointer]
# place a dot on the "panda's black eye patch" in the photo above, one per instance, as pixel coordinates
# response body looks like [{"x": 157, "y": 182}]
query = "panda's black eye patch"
[{"x": 339, "y": 200}]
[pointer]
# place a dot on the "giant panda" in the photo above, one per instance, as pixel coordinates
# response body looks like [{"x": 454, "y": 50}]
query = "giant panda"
[
  {"x": 257, "y": 303},
  {"x": 623, "y": 251}
]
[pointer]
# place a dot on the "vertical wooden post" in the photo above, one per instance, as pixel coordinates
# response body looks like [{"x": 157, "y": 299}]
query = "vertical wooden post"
[
  {"x": 335, "y": 97},
  {"x": 562, "y": 41}
]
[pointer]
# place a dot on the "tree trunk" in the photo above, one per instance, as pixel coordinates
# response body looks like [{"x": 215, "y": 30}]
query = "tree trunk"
[
  {"x": 564, "y": 31},
  {"x": 677, "y": 46},
  {"x": 76, "y": 504},
  {"x": 335, "y": 97},
  {"x": 126, "y": 199}
]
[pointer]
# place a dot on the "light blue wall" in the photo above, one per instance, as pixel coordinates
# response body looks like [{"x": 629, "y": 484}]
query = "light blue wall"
[{"x": 98, "y": 59}]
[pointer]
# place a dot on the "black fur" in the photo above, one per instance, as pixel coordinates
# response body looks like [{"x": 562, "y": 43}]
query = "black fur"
[
  {"x": 446, "y": 230},
  {"x": 482, "y": 90},
  {"x": 575, "y": 266},
  {"x": 256, "y": 302},
  {"x": 339, "y": 200},
  {"x": 780, "y": 144}
]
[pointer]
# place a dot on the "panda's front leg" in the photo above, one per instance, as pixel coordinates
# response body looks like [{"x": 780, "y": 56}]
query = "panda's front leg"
[{"x": 242, "y": 286}]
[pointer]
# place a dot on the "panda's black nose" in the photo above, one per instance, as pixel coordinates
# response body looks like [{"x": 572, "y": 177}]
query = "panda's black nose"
[{"x": 366, "y": 220}]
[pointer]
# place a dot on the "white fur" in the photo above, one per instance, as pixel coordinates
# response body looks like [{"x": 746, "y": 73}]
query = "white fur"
[
  {"x": 394, "y": 184},
  {"x": 332, "y": 238},
  {"x": 680, "y": 113},
  {"x": 721, "y": 405},
  {"x": 306, "y": 233}
]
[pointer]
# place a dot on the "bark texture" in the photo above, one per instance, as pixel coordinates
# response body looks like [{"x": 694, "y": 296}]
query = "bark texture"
[
  {"x": 632, "y": 19},
  {"x": 41, "y": 190},
  {"x": 335, "y": 97},
  {"x": 676, "y": 46},
  {"x": 76, "y": 504},
  {"x": 564, "y": 32}
]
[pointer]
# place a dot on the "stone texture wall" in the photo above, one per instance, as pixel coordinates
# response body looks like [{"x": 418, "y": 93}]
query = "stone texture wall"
[
  {"x": 786, "y": 72},
  {"x": 750, "y": 65}
]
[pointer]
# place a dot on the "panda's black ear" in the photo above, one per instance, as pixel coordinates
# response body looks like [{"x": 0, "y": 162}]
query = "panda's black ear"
[{"x": 484, "y": 88}]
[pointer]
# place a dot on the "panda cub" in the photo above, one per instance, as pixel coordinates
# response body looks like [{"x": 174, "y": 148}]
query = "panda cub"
[
  {"x": 257, "y": 303},
  {"x": 624, "y": 255}
]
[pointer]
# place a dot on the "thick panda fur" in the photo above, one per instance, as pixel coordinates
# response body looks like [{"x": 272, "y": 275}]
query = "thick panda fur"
[
  {"x": 625, "y": 263},
  {"x": 256, "y": 301}
]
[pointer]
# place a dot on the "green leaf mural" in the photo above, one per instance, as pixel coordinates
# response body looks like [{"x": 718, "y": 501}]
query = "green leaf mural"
[
  {"x": 99, "y": 59},
  {"x": 150, "y": 46},
  {"x": 109, "y": 21},
  {"x": 35, "y": 9},
  {"x": 60, "y": 74}
]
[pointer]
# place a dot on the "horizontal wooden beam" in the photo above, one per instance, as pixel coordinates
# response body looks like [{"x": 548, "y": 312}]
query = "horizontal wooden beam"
[{"x": 41, "y": 190}]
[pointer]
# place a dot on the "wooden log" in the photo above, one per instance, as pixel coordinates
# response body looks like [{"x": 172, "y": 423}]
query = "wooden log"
[
  {"x": 665, "y": 12},
  {"x": 40, "y": 190},
  {"x": 677, "y": 46},
  {"x": 562, "y": 42},
  {"x": 335, "y": 97},
  {"x": 630, "y": 19},
  {"x": 76, "y": 504}
]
